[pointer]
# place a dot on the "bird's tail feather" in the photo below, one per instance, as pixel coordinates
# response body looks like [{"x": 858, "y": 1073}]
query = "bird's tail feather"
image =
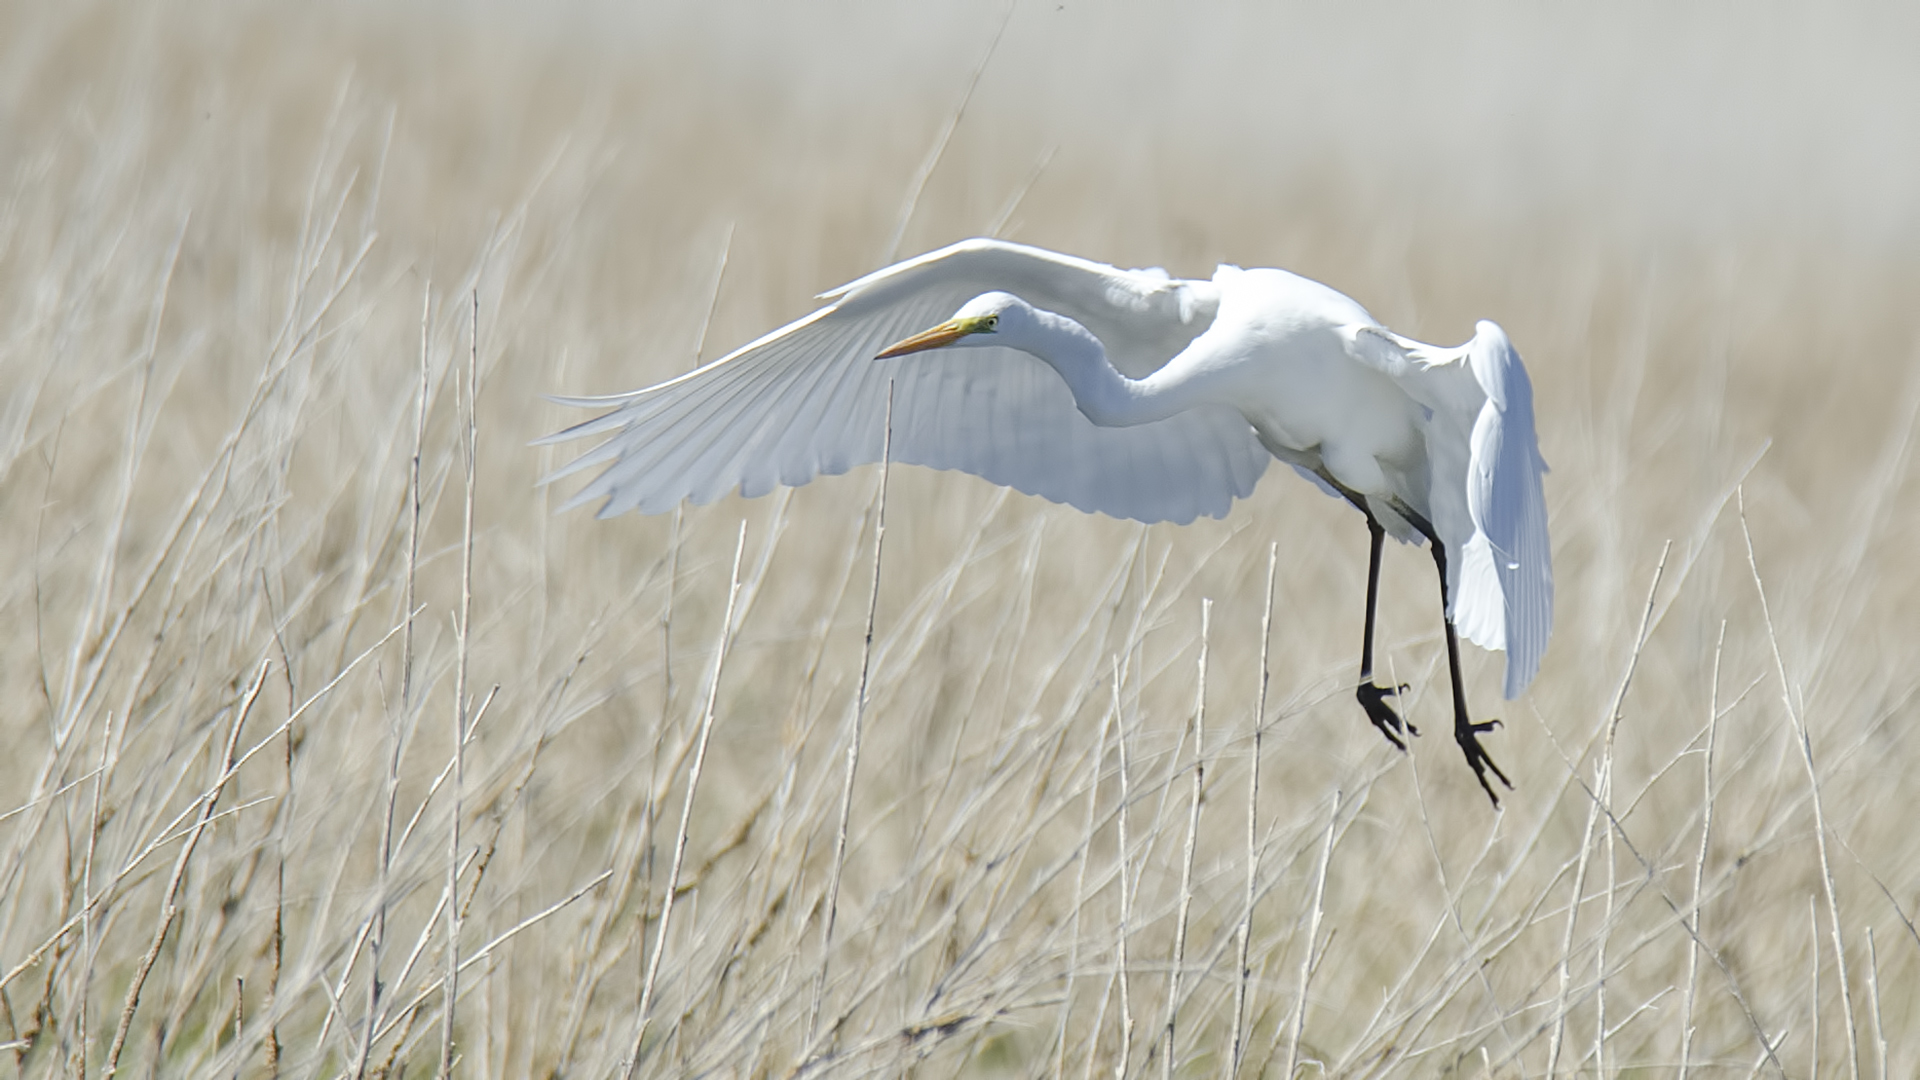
[{"x": 1505, "y": 597}]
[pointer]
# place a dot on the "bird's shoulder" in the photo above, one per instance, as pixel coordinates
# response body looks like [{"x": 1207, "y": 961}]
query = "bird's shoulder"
[{"x": 1272, "y": 295}]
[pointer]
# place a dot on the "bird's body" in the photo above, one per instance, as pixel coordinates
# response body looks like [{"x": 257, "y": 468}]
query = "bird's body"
[
  {"x": 1133, "y": 394},
  {"x": 1278, "y": 349}
]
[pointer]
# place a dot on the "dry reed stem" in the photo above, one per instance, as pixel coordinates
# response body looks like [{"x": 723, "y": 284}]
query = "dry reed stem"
[
  {"x": 1244, "y": 931},
  {"x": 918, "y": 185},
  {"x": 1123, "y": 856},
  {"x": 239, "y": 1020},
  {"x": 1193, "y": 831},
  {"x": 1873, "y": 992},
  {"x": 727, "y": 627},
  {"x": 998, "y": 227},
  {"x": 450, "y": 995},
  {"x": 87, "y": 947},
  {"x": 1599, "y": 803},
  {"x": 1095, "y": 762},
  {"x": 377, "y": 938},
  {"x": 169, "y": 909},
  {"x": 1308, "y": 961},
  {"x": 1700, "y": 860},
  {"x": 673, "y": 541},
  {"x": 1805, "y": 741},
  {"x": 860, "y": 697},
  {"x": 1813, "y": 982},
  {"x": 178, "y": 828},
  {"x": 426, "y": 994}
]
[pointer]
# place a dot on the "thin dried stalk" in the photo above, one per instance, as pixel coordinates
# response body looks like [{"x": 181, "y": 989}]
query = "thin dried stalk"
[
  {"x": 169, "y": 906},
  {"x": 1193, "y": 832},
  {"x": 1813, "y": 984},
  {"x": 1600, "y": 803},
  {"x": 451, "y": 994},
  {"x": 686, "y": 809},
  {"x": 1819, "y": 807},
  {"x": 1126, "y": 893},
  {"x": 1245, "y": 929},
  {"x": 377, "y": 940},
  {"x": 1873, "y": 992},
  {"x": 853, "y": 739},
  {"x": 1700, "y": 863},
  {"x": 1079, "y": 901},
  {"x": 1307, "y": 960},
  {"x": 939, "y": 150}
]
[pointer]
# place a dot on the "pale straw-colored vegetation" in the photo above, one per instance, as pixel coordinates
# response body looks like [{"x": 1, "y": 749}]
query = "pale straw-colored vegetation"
[{"x": 254, "y": 550}]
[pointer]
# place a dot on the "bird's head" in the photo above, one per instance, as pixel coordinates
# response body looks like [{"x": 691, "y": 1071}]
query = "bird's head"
[{"x": 979, "y": 322}]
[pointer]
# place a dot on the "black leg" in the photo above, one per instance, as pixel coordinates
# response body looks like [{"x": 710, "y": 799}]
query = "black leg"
[
  {"x": 1373, "y": 698},
  {"x": 1465, "y": 731}
]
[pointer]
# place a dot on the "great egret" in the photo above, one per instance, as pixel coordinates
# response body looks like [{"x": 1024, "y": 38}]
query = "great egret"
[{"x": 1137, "y": 395}]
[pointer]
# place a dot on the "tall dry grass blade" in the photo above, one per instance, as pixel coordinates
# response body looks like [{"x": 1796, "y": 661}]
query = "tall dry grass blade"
[
  {"x": 1813, "y": 983},
  {"x": 87, "y": 945},
  {"x": 713, "y": 295},
  {"x": 1700, "y": 861},
  {"x": 686, "y": 809},
  {"x": 1095, "y": 763},
  {"x": 1000, "y": 220},
  {"x": 1600, "y": 803},
  {"x": 1244, "y": 931},
  {"x": 1873, "y": 992},
  {"x": 239, "y": 1021},
  {"x": 377, "y": 939},
  {"x": 419, "y": 1000},
  {"x": 932, "y": 161},
  {"x": 1124, "y": 856},
  {"x": 1193, "y": 832},
  {"x": 832, "y": 912},
  {"x": 1605, "y": 804},
  {"x": 679, "y": 510},
  {"x": 1805, "y": 741},
  {"x": 666, "y": 632},
  {"x": 533, "y": 920},
  {"x": 178, "y": 827},
  {"x": 1308, "y": 962},
  {"x": 421, "y": 394},
  {"x": 450, "y": 996},
  {"x": 169, "y": 904}
]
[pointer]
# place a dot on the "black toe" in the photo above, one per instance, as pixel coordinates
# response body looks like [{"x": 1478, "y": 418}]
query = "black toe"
[
  {"x": 1373, "y": 699},
  {"x": 1468, "y": 736}
]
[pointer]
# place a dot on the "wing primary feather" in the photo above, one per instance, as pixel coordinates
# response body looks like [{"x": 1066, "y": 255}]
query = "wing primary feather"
[
  {"x": 746, "y": 460},
  {"x": 726, "y": 426},
  {"x": 795, "y": 449},
  {"x": 645, "y": 472}
]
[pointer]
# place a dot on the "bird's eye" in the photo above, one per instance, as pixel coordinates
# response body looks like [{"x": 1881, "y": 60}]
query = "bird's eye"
[{"x": 993, "y": 321}]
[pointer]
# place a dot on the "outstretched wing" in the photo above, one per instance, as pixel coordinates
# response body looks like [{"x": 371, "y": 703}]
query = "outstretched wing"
[
  {"x": 1487, "y": 504},
  {"x": 809, "y": 399}
]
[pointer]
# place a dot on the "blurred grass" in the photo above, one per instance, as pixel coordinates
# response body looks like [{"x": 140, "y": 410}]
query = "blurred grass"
[{"x": 219, "y": 227}]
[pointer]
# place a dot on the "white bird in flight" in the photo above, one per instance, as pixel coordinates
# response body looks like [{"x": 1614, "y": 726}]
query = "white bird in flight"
[{"x": 1136, "y": 395}]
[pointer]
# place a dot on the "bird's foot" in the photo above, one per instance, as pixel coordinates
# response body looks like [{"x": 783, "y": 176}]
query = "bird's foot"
[
  {"x": 1467, "y": 734},
  {"x": 1374, "y": 700}
]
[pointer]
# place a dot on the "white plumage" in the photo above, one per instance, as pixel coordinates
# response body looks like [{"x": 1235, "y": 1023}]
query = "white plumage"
[{"x": 1132, "y": 394}]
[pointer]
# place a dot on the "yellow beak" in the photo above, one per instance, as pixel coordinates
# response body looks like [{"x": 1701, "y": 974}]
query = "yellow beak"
[{"x": 945, "y": 334}]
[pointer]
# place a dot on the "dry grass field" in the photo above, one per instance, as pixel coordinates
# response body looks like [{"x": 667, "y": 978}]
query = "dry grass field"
[{"x": 252, "y": 583}]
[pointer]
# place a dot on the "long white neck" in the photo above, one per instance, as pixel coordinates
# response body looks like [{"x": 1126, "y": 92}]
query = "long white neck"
[{"x": 1104, "y": 395}]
